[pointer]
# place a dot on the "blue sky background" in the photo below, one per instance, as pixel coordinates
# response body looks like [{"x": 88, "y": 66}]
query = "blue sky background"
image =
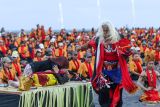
[{"x": 17, "y": 14}]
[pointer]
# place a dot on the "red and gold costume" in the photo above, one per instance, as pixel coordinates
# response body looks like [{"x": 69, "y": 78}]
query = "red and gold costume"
[
  {"x": 74, "y": 65},
  {"x": 6, "y": 75},
  {"x": 60, "y": 52},
  {"x": 3, "y": 49},
  {"x": 136, "y": 66},
  {"x": 86, "y": 69},
  {"x": 151, "y": 96},
  {"x": 23, "y": 51},
  {"x": 149, "y": 54},
  {"x": 17, "y": 67},
  {"x": 112, "y": 55}
]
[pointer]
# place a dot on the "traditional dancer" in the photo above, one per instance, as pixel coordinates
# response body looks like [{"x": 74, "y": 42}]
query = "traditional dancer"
[
  {"x": 148, "y": 83},
  {"x": 110, "y": 66}
]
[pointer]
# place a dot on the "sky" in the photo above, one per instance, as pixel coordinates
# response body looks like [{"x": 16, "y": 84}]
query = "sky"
[{"x": 69, "y": 14}]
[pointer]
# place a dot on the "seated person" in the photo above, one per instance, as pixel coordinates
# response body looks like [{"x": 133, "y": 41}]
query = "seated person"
[
  {"x": 148, "y": 83},
  {"x": 7, "y": 72},
  {"x": 135, "y": 66},
  {"x": 39, "y": 56},
  {"x": 16, "y": 64},
  {"x": 48, "y": 54},
  {"x": 74, "y": 63},
  {"x": 86, "y": 68}
]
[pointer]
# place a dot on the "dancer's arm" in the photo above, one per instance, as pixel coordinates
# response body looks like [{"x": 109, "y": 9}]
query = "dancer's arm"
[
  {"x": 140, "y": 81},
  {"x": 91, "y": 43}
]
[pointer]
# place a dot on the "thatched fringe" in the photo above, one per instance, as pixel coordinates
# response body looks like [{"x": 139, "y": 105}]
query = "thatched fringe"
[{"x": 74, "y": 95}]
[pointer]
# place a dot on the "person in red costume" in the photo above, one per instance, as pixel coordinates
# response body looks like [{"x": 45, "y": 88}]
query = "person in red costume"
[
  {"x": 110, "y": 74},
  {"x": 148, "y": 82}
]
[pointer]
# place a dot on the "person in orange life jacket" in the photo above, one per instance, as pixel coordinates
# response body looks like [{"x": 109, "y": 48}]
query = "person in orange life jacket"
[
  {"x": 52, "y": 42},
  {"x": 149, "y": 52},
  {"x": 48, "y": 54},
  {"x": 23, "y": 51},
  {"x": 60, "y": 50},
  {"x": 74, "y": 63},
  {"x": 143, "y": 48},
  {"x": 135, "y": 66},
  {"x": 31, "y": 47},
  {"x": 86, "y": 68},
  {"x": 12, "y": 45},
  {"x": 41, "y": 46},
  {"x": 148, "y": 82},
  {"x": 39, "y": 56},
  {"x": 7, "y": 72},
  {"x": 69, "y": 49},
  {"x": 3, "y": 48},
  {"x": 80, "y": 54},
  {"x": 69, "y": 55},
  {"x": 16, "y": 64},
  {"x": 47, "y": 41},
  {"x": 157, "y": 54}
]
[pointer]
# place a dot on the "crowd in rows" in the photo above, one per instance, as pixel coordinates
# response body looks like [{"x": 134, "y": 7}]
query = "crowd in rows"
[{"x": 19, "y": 49}]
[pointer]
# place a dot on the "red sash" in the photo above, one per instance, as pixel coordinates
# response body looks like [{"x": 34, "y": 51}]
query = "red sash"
[
  {"x": 22, "y": 52},
  {"x": 89, "y": 67},
  {"x": 17, "y": 69},
  {"x": 152, "y": 78},
  {"x": 76, "y": 63},
  {"x": 3, "y": 50},
  {"x": 9, "y": 75},
  {"x": 79, "y": 56},
  {"x": 157, "y": 56},
  {"x": 139, "y": 67},
  {"x": 60, "y": 52}
]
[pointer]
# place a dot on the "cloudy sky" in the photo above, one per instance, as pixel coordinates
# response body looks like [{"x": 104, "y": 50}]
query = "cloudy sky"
[{"x": 17, "y": 14}]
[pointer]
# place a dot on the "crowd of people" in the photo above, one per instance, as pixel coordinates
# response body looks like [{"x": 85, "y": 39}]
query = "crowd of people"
[{"x": 40, "y": 50}]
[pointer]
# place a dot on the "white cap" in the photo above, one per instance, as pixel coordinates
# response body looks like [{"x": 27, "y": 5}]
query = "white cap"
[
  {"x": 132, "y": 48},
  {"x": 15, "y": 54},
  {"x": 60, "y": 44},
  {"x": 137, "y": 49},
  {"x": 132, "y": 40},
  {"x": 53, "y": 40},
  {"x": 41, "y": 46}
]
